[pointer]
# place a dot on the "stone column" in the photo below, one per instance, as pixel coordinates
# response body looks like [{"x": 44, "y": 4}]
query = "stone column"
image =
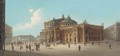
[
  {"x": 54, "y": 35},
  {"x": 83, "y": 33},
  {"x": 76, "y": 35},
  {"x": 100, "y": 34}
]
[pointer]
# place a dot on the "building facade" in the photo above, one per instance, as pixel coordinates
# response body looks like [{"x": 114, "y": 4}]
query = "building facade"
[
  {"x": 24, "y": 38},
  {"x": 113, "y": 32},
  {"x": 8, "y": 34},
  {"x": 2, "y": 24},
  {"x": 66, "y": 30}
]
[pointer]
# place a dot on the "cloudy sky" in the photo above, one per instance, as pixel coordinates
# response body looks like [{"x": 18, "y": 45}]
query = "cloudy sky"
[{"x": 27, "y": 16}]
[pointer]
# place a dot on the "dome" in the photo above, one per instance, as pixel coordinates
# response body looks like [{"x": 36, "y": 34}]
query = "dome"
[{"x": 69, "y": 20}]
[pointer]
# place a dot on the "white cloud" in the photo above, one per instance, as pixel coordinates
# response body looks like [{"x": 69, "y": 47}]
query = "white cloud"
[
  {"x": 30, "y": 10},
  {"x": 34, "y": 20}
]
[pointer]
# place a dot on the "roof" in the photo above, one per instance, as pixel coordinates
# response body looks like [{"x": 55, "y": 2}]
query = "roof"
[{"x": 69, "y": 20}]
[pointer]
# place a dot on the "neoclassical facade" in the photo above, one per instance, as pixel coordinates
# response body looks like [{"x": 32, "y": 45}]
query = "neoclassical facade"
[{"x": 66, "y": 30}]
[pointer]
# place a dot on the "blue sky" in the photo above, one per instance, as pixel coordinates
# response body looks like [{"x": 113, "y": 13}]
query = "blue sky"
[{"x": 27, "y": 16}]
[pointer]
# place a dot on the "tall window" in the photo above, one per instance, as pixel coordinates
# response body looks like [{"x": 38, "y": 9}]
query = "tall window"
[
  {"x": 70, "y": 39},
  {"x": 74, "y": 39},
  {"x": 67, "y": 39}
]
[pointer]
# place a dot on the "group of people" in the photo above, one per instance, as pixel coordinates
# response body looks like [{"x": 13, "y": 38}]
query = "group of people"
[
  {"x": 110, "y": 46},
  {"x": 27, "y": 46},
  {"x": 79, "y": 47},
  {"x": 37, "y": 46}
]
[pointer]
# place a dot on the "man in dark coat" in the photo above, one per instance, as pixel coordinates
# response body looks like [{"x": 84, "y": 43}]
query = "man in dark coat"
[{"x": 79, "y": 48}]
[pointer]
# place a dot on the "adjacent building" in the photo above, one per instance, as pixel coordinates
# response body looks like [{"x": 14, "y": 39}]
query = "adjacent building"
[
  {"x": 113, "y": 32},
  {"x": 24, "y": 38},
  {"x": 8, "y": 34},
  {"x": 2, "y": 24},
  {"x": 66, "y": 30}
]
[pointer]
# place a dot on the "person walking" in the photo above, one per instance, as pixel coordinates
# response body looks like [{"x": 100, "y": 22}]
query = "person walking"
[
  {"x": 26, "y": 47},
  {"x": 92, "y": 43},
  {"x": 85, "y": 44},
  {"x": 79, "y": 48},
  {"x": 110, "y": 47},
  {"x": 39, "y": 47},
  {"x": 68, "y": 45},
  {"x": 12, "y": 47},
  {"x": 21, "y": 47},
  {"x": 36, "y": 47},
  {"x": 30, "y": 47}
]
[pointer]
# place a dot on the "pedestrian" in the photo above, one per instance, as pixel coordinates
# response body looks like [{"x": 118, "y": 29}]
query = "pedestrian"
[
  {"x": 68, "y": 45},
  {"x": 92, "y": 43},
  {"x": 85, "y": 44},
  {"x": 12, "y": 46},
  {"x": 79, "y": 48},
  {"x": 26, "y": 47},
  {"x": 38, "y": 46},
  {"x": 30, "y": 47},
  {"x": 110, "y": 47},
  {"x": 21, "y": 47}
]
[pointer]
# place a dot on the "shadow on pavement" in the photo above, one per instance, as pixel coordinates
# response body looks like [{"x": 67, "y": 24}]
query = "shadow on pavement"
[{"x": 16, "y": 53}]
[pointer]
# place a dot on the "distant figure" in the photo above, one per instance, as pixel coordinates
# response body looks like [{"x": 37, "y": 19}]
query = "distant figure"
[
  {"x": 26, "y": 47},
  {"x": 79, "y": 48},
  {"x": 92, "y": 43},
  {"x": 30, "y": 47},
  {"x": 12, "y": 47},
  {"x": 68, "y": 45},
  {"x": 85, "y": 44},
  {"x": 11, "y": 44},
  {"x": 21, "y": 47},
  {"x": 110, "y": 46},
  {"x": 38, "y": 47}
]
